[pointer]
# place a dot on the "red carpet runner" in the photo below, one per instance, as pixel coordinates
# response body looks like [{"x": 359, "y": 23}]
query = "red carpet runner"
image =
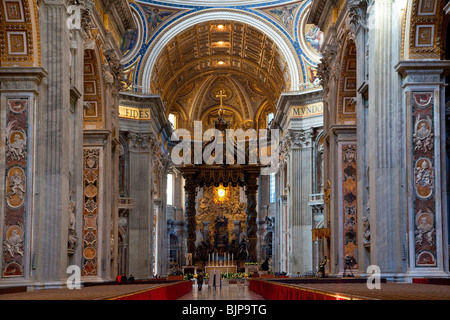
[
  {"x": 165, "y": 292},
  {"x": 278, "y": 291}
]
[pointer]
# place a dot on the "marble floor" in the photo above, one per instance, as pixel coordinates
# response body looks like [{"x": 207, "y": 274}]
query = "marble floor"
[{"x": 228, "y": 292}]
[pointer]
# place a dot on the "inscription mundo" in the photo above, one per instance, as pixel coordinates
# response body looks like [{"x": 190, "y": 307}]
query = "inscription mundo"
[{"x": 307, "y": 111}]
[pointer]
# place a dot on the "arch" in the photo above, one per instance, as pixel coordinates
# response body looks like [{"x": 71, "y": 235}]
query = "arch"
[
  {"x": 19, "y": 34},
  {"x": 346, "y": 87},
  {"x": 93, "y": 93},
  {"x": 283, "y": 44},
  {"x": 422, "y": 36}
]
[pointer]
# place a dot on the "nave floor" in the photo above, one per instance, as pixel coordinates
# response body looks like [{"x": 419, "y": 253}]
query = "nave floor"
[{"x": 229, "y": 292}]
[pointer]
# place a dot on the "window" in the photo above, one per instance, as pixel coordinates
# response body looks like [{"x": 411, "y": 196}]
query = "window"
[
  {"x": 272, "y": 188},
  {"x": 170, "y": 189},
  {"x": 270, "y": 117},
  {"x": 173, "y": 120}
]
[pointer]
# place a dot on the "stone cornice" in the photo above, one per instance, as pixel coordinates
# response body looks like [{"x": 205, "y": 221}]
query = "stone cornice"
[
  {"x": 407, "y": 67},
  {"x": 35, "y": 74},
  {"x": 286, "y": 100},
  {"x": 121, "y": 13},
  {"x": 21, "y": 79},
  {"x": 320, "y": 10}
]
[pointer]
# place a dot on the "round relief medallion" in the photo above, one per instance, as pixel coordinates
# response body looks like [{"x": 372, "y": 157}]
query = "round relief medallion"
[
  {"x": 89, "y": 253},
  {"x": 90, "y": 191},
  {"x": 17, "y": 105},
  {"x": 15, "y": 188},
  {"x": 424, "y": 178}
]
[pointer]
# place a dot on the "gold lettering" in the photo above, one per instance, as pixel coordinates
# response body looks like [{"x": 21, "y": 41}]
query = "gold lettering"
[
  {"x": 134, "y": 113},
  {"x": 307, "y": 111}
]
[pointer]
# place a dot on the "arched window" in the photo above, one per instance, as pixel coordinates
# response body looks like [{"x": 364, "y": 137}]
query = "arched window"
[
  {"x": 170, "y": 186},
  {"x": 270, "y": 117},
  {"x": 272, "y": 188},
  {"x": 173, "y": 120}
]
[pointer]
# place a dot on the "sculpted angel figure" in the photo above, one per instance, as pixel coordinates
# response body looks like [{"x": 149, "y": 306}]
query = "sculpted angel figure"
[
  {"x": 14, "y": 244},
  {"x": 16, "y": 145},
  {"x": 424, "y": 229},
  {"x": 16, "y": 185}
]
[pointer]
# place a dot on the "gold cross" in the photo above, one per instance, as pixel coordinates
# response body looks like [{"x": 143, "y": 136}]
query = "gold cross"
[{"x": 221, "y": 95}]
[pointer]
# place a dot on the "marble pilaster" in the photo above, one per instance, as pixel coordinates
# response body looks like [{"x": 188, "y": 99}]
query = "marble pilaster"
[
  {"x": 300, "y": 181},
  {"x": 423, "y": 92},
  {"x": 141, "y": 219},
  {"x": 52, "y": 159},
  {"x": 385, "y": 143}
]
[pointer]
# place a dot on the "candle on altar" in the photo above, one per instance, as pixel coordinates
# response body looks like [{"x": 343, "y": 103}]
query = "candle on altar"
[
  {"x": 232, "y": 256},
  {"x": 209, "y": 259}
]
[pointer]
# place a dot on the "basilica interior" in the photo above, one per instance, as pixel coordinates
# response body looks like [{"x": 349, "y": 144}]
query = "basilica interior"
[{"x": 97, "y": 96}]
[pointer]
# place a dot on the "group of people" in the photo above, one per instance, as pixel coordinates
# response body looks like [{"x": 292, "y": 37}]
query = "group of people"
[
  {"x": 123, "y": 278},
  {"x": 216, "y": 280}
]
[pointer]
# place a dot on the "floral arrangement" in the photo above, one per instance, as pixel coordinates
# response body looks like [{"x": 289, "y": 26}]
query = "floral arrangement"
[
  {"x": 188, "y": 276},
  {"x": 251, "y": 263},
  {"x": 238, "y": 275}
]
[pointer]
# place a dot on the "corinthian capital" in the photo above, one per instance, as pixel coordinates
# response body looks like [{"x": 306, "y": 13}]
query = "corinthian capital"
[
  {"x": 301, "y": 138},
  {"x": 357, "y": 16},
  {"x": 141, "y": 142}
]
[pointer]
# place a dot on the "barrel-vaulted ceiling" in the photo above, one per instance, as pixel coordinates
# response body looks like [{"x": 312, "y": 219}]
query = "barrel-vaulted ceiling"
[
  {"x": 228, "y": 56},
  {"x": 179, "y": 52}
]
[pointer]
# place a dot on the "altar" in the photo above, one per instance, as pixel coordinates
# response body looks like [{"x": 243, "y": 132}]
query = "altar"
[{"x": 223, "y": 269}]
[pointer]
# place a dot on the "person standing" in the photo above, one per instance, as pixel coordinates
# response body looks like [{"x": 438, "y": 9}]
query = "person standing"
[{"x": 200, "y": 281}]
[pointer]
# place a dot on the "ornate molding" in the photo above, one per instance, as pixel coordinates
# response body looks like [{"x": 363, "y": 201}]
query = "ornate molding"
[
  {"x": 141, "y": 142},
  {"x": 301, "y": 138},
  {"x": 357, "y": 15}
]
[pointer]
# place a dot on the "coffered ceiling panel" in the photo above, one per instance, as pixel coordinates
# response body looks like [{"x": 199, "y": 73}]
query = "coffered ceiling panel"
[{"x": 230, "y": 55}]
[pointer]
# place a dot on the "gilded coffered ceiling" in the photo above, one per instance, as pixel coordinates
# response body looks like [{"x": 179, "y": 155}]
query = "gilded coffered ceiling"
[{"x": 228, "y": 56}]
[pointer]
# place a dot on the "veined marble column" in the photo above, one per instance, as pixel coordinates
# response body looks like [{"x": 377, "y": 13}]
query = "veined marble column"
[
  {"x": 385, "y": 143},
  {"x": 52, "y": 160},
  {"x": 141, "y": 219},
  {"x": 300, "y": 181}
]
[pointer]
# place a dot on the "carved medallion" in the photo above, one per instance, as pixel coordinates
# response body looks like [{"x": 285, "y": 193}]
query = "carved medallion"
[
  {"x": 12, "y": 269},
  {"x": 425, "y": 230},
  {"x": 422, "y": 99},
  {"x": 14, "y": 241},
  {"x": 423, "y": 135},
  {"x": 15, "y": 187},
  {"x": 17, "y": 105},
  {"x": 424, "y": 178}
]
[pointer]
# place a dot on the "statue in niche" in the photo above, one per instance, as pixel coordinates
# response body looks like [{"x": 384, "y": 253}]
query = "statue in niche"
[
  {"x": 73, "y": 238},
  {"x": 366, "y": 230}
]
